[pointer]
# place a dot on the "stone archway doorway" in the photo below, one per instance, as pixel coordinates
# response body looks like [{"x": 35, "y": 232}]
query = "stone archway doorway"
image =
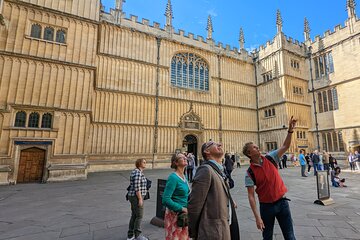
[
  {"x": 191, "y": 144},
  {"x": 31, "y": 165}
]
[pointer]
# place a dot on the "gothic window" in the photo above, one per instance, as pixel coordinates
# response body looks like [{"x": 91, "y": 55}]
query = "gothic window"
[
  {"x": 331, "y": 63},
  {"x": 35, "y": 31},
  {"x": 325, "y": 102},
  {"x": 60, "y": 36},
  {"x": 189, "y": 71},
  {"x": 20, "y": 119},
  {"x": 320, "y": 102},
  {"x": 46, "y": 120},
  {"x": 335, "y": 141},
  {"x": 341, "y": 142},
  {"x": 324, "y": 141},
  {"x": 49, "y": 34},
  {"x": 271, "y": 146},
  {"x": 331, "y": 107},
  {"x": 324, "y": 65},
  {"x": 335, "y": 99},
  {"x": 316, "y": 68},
  {"x": 34, "y": 120}
]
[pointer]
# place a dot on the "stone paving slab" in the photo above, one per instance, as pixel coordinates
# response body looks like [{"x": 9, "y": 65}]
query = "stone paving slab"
[{"x": 96, "y": 209}]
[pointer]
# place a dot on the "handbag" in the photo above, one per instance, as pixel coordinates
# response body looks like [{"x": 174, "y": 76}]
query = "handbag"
[
  {"x": 182, "y": 219},
  {"x": 147, "y": 196}
]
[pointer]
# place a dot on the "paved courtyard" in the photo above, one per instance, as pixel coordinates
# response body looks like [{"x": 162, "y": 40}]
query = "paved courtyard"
[{"x": 96, "y": 209}]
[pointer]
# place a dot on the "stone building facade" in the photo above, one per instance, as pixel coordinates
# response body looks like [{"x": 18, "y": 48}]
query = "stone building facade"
[{"x": 84, "y": 90}]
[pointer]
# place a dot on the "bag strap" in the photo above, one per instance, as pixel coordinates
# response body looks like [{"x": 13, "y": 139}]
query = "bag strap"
[
  {"x": 251, "y": 172},
  {"x": 268, "y": 157},
  {"x": 251, "y": 175},
  {"x": 222, "y": 175}
]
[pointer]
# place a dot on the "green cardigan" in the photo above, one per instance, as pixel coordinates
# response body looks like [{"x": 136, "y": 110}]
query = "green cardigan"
[{"x": 176, "y": 193}]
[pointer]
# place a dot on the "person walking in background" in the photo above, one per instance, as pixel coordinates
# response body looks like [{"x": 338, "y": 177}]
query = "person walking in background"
[
  {"x": 315, "y": 159},
  {"x": 229, "y": 164},
  {"x": 136, "y": 193},
  {"x": 270, "y": 188},
  {"x": 357, "y": 160},
  {"x": 211, "y": 208},
  {"x": 190, "y": 167},
  {"x": 175, "y": 199},
  {"x": 302, "y": 163},
  {"x": 237, "y": 158},
  {"x": 283, "y": 160},
  {"x": 308, "y": 162},
  {"x": 332, "y": 162},
  {"x": 326, "y": 161},
  {"x": 351, "y": 161}
]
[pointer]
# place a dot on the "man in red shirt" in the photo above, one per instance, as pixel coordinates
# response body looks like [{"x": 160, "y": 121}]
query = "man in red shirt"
[{"x": 270, "y": 188}]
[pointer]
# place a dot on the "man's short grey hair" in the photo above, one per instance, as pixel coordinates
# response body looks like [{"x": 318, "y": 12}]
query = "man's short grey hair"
[{"x": 245, "y": 149}]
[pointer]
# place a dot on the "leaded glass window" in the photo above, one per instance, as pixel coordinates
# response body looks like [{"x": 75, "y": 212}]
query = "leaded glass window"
[
  {"x": 341, "y": 142},
  {"x": 335, "y": 99},
  {"x": 20, "y": 119},
  {"x": 35, "y": 31},
  {"x": 46, "y": 120},
  {"x": 49, "y": 33},
  {"x": 331, "y": 105},
  {"x": 34, "y": 120},
  {"x": 321, "y": 107},
  {"x": 325, "y": 102},
  {"x": 189, "y": 71},
  {"x": 60, "y": 36}
]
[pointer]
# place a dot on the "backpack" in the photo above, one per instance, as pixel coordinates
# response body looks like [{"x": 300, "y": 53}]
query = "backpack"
[{"x": 251, "y": 173}]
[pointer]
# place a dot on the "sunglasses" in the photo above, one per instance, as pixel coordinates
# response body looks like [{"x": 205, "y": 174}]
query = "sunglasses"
[{"x": 211, "y": 143}]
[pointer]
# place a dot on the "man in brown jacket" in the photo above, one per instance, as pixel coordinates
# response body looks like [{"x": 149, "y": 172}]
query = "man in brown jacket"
[{"x": 211, "y": 210}]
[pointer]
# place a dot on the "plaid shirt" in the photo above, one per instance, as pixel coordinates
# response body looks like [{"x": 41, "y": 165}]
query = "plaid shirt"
[{"x": 137, "y": 183}]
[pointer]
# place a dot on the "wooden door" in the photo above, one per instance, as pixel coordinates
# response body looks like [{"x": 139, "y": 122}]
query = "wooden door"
[{"x": 31, "y": 165}]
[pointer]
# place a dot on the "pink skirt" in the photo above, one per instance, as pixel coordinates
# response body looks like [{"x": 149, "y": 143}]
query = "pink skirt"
[{"x": 172, "y": 231}]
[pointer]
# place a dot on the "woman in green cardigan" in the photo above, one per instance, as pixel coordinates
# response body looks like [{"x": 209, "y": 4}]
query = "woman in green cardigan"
[{"x": 175, "y": 198}]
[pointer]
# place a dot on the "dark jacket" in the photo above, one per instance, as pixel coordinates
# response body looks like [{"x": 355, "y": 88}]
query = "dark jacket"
[{"x": 315, "y": 159}]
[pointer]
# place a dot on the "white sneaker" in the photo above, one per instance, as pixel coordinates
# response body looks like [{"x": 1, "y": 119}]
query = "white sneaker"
[
  {"x": 141, "y": 237},
  {"x": 132, "y": 238}
]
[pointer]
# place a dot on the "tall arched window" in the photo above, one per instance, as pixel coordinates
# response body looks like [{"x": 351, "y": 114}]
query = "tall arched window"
[
  {"x": 46, "y": 120},
  {"x": 189, "y": 71},
  {"x": 20, "y": 119},
  {"x": 34, "y": 120},
  {"x": 60, "y": 36},
  {"x": 35, "y": 31},
  {"x": 49, "y": 33}
]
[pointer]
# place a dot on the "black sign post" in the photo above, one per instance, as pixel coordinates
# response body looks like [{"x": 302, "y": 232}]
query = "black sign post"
[
  {"x": 323, "y": 189},
  {"x": 158, "y": 220}
]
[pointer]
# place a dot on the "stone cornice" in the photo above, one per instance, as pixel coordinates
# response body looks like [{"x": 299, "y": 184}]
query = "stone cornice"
[
  {"x": 284, "y": 102},
  {"x": 47, "y": 60},
  {"x": 169, "y": 98}
]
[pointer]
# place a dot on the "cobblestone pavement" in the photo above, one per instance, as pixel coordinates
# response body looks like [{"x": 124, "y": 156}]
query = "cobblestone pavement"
[{"x": 96, "y": 208}]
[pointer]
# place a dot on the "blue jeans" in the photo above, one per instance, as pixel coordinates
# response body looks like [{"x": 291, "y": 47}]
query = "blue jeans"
[
  {"x": 316, "y": 167},
  {"x": 281, "y": 211}
]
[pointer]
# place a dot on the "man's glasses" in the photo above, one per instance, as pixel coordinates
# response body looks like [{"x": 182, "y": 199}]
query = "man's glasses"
[{"x": 211, "y": 143}]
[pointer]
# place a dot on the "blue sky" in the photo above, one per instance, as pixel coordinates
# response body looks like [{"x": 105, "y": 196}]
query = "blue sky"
[{"x": 256, "y": 17}]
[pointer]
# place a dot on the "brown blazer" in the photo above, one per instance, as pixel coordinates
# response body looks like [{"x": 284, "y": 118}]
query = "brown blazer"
[{"x": 208, "y": 206}]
